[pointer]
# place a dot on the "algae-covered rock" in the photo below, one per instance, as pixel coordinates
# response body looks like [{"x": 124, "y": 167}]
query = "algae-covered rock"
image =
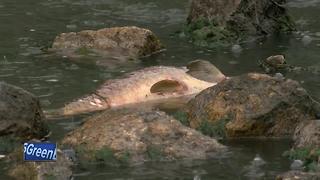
[
  {"x": 252, "y": 105},
  {"x": 20, "y": 114},
  {"x": 221, "y": 22},
  {"x": 134, "y": 136},
  {"x": 129, "y": 41},
  {"x": 307, "y": 145}
]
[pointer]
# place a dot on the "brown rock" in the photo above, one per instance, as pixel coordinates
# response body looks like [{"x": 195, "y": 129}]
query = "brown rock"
[
  {"x": 126, "y": 41},
  {"x": 253, "y": 105},
  {"x": 274, "y": 64},
  {"x": 219, "y": 11},
  {"x": 307, "y": 134},
  {"x": 20, "y": 113},
  {"x": 142, "y": 135}
]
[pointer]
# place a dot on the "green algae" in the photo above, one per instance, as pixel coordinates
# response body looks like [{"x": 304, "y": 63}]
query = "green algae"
[
  {"x": 208, "y": 34},
  {"x": 308, "y": 155},
  {"x": 84, "y": 51},
  {"x": 214, "y": 129},
  {"x": 154, "y": 153},
  {"x": 182, "y": 117}
]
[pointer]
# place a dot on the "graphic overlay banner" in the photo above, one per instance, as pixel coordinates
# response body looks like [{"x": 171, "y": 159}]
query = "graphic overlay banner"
[{"x": 44, "y": 151}]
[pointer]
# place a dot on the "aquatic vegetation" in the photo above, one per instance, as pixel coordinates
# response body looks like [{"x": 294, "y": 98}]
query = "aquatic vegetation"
[
  {"x": 50, "y": 177},
  {"x": 216, "y": 24},
  {"x": 124, "y": 158},
  {"x": 182, "y": 117},
  {"x": 8, "y": 144},
  {"x": 309, "y": 156},
  {"x": 104, "y": 155},
  {"x": 286, "y": 23},
  {"x": 83, "y": 51},
  {"x": 154, "y": 153},
  {"x": 214, "y": 129},
  {"x": 205, "y": 33}
]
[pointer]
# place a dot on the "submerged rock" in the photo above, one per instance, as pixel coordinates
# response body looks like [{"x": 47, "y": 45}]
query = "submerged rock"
[
  {"x": 128, "y": 41},
  {"x": 252, "y": 105},
  {"x": 278, "y": 64},
  {"x": 297, "y": 165},
  {"x": 20, "y": 114},
  {"x": 58, "y": 170},
  {"x": 149, "y": 84},
  {"x": 138, "y": 136},
  {"x": 219, "y": 22},
  {"x": 306, "y": 40},
  {"x": 274, "y": 64}
]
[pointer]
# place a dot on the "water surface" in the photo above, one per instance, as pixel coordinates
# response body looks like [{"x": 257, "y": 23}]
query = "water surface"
[{"x": 27, "y": 27}]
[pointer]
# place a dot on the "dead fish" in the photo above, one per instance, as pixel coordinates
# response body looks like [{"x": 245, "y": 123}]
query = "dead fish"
[{"x": 149, "y": 84}]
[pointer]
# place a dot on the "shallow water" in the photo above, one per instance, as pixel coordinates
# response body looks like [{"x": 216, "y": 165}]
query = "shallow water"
[{"x": 29, "y": 26}]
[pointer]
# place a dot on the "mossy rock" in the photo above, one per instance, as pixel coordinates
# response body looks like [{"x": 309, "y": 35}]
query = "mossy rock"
[
  {"x": 182, "y": 117},
  {"x": 205, "y": 33},
  {"x": 8, "y": 144},
  {"x": 102, "y": 156},
  {"x": 310, "y": 157},
  {"x": 222, "y": 23},
  {"x": 216, "y": 129}
]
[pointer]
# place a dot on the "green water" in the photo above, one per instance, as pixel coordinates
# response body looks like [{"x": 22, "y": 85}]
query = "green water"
[{"x": 26, "y": 27}]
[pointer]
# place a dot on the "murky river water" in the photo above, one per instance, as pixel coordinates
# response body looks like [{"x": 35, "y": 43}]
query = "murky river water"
[{"x": 26, "y": 27}]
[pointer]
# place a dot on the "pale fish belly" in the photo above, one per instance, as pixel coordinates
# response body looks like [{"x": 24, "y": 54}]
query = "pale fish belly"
[{"x": 149, "y": 84}]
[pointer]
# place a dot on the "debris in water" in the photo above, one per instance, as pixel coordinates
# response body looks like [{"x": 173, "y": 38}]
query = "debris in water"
[
  {"x": 306, "y": 40},
  {"x": 52, "y": 80},
  {"x": 236, "y": 49},
  {"x": 254, "y": 170}
]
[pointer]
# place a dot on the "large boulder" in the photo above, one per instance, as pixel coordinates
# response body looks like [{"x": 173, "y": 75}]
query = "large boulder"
[
  {"x": 145, "y": 85},
  {"x": 139, "y": 136},
  {"x": 131, "y": 41},
  {"x": 224, "y": 21},
  {"x": 252, "y": 105},
  {"x": 20, "y": 114}
]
